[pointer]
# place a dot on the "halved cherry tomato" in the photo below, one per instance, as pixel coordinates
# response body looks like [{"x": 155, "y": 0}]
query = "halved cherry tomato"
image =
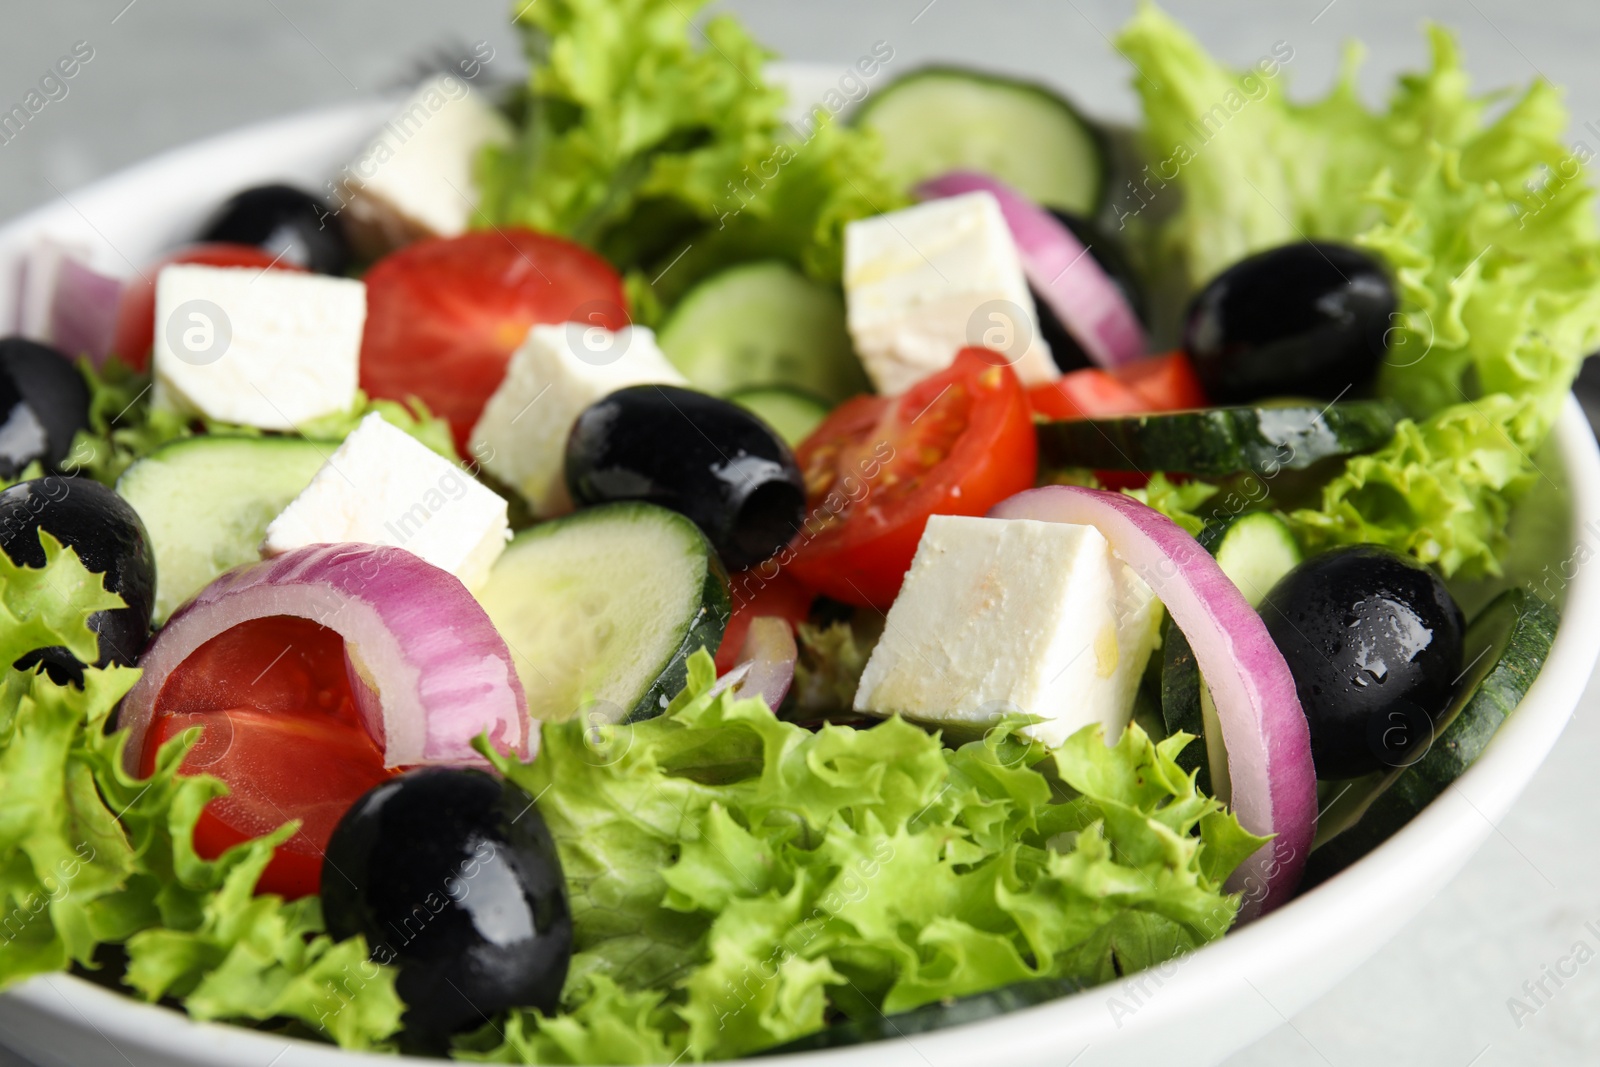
[
  {"x": 1168, "y": 382},
  {"x": 755, "y": 595},
  {"x": 280, "y": 728},
  {"x": 956, "y": 443},
  {"x": 1086, "y": 394},
  {"x": 444, "y": 315},
  {"x": 136, "y": 311},
  {"x": 1159, "y": 383}
]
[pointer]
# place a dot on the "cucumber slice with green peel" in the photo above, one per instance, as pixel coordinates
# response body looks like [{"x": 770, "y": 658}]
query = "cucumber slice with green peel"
[
  {"x": 206, "y": 502},
  {"x": 1213, "y": 442},
  {"x": 1254, "y": 549},
  {"x": 936, "y": 1016},
  {"x": 938, "y": 119},
  {"x": 763, "y": 324},
  {"x": 1504, "y": 649},
  {"x": 1186, "y": 705},
  {"x": 792, "y": 413},
  {"x": 602, "y": 609}
]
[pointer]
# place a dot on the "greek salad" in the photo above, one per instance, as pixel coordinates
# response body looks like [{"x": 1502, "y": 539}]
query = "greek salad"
[{"x": 634, "y": 569}]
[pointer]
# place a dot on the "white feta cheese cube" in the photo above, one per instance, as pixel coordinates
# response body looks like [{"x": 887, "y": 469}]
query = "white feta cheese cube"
[
  {"x": 923, "y": 283},
  {"x": 415, "y": 179},
  {"x": 1006, "y": 615},
  {"x": 384, "y": 487},
  {"x": 266, "y": 348},
  {"x": 560, "y": 369}
]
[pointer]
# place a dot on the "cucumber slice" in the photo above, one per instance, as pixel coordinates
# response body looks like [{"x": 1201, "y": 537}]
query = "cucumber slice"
[
  {"x": 1216, "y": 441},
  {"x": 763, "y": 324},
  {"x": 1504, "y": 647},
  {"x": 940, "y": 119},
  {"x": 206, "y": 502},
  {"x": 936, "y": 1016},
  {"x": 1254, "y": 549},
  {"x": 1184, "y": 704},
  {"x": 602, "y": 609},
  {"x": 792, "y": 413}
]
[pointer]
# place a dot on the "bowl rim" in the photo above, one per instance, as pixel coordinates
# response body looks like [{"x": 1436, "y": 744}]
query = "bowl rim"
[{"x": 1407, "y": 867}]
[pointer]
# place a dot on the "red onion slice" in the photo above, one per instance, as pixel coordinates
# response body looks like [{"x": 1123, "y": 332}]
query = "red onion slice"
[
  {"x": 1263, "y": 727},
  {"x": 766, "y": 661},
  {"x": 1058, "y": 266},
  {"x": 36, "y": 285},
  {"x": 415, "y": 640},
  {"x": 83, "y": 311}
]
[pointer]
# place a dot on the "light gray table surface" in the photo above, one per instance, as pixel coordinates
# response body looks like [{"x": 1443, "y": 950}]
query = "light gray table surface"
[{"x": 166, "y": 72}]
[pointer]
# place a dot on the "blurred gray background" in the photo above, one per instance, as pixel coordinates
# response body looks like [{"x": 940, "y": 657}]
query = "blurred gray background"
[{"x": 166, "y": 72}]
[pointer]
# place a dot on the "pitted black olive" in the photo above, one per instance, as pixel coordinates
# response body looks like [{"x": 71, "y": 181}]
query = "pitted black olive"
[
  {"x": 1308, "y": 320},
  {"x": 108, "y": 537},
  {"x": 1373, "y": 640},
  {"x": 44, "y": 401},
  {"x": 700, "y": 456},
  {"x": 452, "y": 876},
  {"x": 283, "y": 220}
]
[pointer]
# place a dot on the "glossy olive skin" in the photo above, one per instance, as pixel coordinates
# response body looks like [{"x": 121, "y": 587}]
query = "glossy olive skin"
[
  {"x": 703, "y": 457},
  {"x": 44, "y": 401},
  {"x": 109, "y": 538},
  {"x": 451, "y": 875},
  {"x": 281, "y": 218},
  {"x": 1373, "y": 640},
  {"x": 1106, "y": 251},
  {"x": 1307, "y": 320}
]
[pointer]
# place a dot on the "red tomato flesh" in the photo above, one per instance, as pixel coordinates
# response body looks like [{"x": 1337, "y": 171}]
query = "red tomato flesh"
[
  {"x": 956, "y": 443},
  {"x": 444, "y": 315},
  {"x": 1168, "y": 382},
  {"x": 756, "y": 595},
  {"x": 280, "y": 728},
  {"x": 1086, "y": 394},
  {"x": 136, "y": 310},
  {"x": 1159, "y": 383}
]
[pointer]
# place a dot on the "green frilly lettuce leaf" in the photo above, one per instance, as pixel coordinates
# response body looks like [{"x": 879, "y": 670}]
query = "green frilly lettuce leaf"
[
  {"x": 737, "y": 881},
  {"x": 90, "y": 854},
  {"x": 1485, "y": 219},
  {"x": 656, "y": 141}
]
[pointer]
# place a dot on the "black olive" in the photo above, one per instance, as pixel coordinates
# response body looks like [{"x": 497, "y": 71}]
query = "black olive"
[
  {"x": 1308, "y": 319},
  {"x": 712, "y": 461},
  {"x": 1106, "y": 251},
  {"x": 44, "y": 401},
  {"x": 1373, "y": 640},
  {"x": 110, "y": 540},
  {"x": 452, "y": 876},
  {"x": 282, "y": 219}
]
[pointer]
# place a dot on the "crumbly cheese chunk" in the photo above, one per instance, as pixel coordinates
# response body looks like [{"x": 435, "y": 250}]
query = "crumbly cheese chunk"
[
  {"x": 266, "y": 348},
  {"x": 923, "y": 283},
  {"x": 1006, "y": 615},
  {"x": 415, "y": 177},
  {"x": 384, "y": 487},
  {"x": 521, "y": 437}
]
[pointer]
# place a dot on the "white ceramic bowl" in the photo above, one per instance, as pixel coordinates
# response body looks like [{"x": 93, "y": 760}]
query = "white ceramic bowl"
[{"x": 1194, "y": 1011}]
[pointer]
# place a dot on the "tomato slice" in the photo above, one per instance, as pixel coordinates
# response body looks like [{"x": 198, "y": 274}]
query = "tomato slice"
[
  {"x": 136, "y": 310},
  {"x": 956, "y": 443},
  {"x": 1168, "y": 382},
  {"x": 444, "y": 315},
  {"x": 1160, "y": 383},
  {"x": 1086, "y": 394},
  {"x": 280, "y": 728},
  {"x": 756, "y": 595}
]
